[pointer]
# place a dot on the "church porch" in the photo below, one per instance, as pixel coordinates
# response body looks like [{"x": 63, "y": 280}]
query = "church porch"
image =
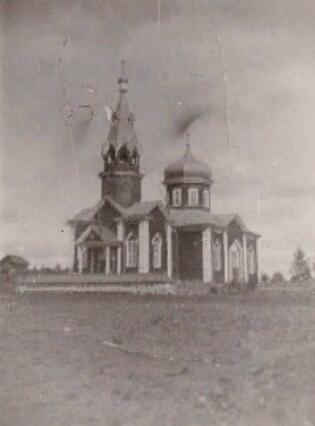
[{"x": 99, "y": 258}]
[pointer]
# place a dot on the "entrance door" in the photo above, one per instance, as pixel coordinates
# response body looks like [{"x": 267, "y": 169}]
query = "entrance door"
[
  {"x": 93, "y": 260},
  {"x": 190, "y": 255}
]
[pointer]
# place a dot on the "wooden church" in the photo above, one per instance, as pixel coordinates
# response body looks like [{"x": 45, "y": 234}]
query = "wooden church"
[{"x": 180, "y": 238}]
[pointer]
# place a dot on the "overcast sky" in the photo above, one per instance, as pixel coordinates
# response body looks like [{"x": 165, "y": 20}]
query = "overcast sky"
[{"x": 241, "y": 73}]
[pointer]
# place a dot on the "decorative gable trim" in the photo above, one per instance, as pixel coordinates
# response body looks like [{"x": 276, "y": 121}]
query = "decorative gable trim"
[
  {"x": 240, "y": 222},
  {"x": 129, "y": 216},
  {"x": 113, "y": 204},
  {"x": 90, "y": 231}
]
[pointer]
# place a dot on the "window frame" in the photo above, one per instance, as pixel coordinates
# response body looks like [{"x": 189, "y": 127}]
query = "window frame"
[
  {"x": 157, "y": 255},
  {"x": 177, "y": 198},
  {"x": 132, "y": 251},
  {"x": 193, "y": 195}
]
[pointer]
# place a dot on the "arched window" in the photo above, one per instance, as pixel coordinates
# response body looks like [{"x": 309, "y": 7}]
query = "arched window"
[
  {"x": 123, "y": 154},
  {"x": 251, "y": 260},
  {"x": 131, "y": 251},
  {"x": 157, "y": 251},
  {"x": 109, "y": 156},
  {"x": 177, "y": 197},
  {"x": 206, "y": 198},
  {"x": 217, "y": 261},
  {"x": 135, "y": 157},
  {"x": 193, "y": 196}
]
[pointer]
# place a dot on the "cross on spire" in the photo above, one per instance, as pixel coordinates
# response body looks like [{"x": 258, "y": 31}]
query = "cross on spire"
[
  {"x": 123, "y": 80},
  {"x": 187, "y": 139},
  {"x": 123, "y": 64}
]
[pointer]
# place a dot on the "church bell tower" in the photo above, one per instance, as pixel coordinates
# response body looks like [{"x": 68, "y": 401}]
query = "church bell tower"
[{"x": 121, "y": 177}]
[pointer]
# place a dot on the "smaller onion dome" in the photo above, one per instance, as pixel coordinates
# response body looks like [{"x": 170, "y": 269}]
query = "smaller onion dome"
[{"x": 187, "y": 170}]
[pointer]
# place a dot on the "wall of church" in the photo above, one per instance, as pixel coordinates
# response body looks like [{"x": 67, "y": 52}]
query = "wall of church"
[
  {"x": 75, "y": 266},
  {"x": 158, "y": 225},
  {"x": 235, "y": 232},
  {"x": 125, "y": 189},
  {"x": 253, "y": 276},
  {"x": 218, "y": 269},
  {"x": 175, "y": 253},
  {"x": 78, "y": 230}
]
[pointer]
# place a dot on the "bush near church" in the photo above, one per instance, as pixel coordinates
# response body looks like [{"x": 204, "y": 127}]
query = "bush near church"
[
  {"x": 300, "y": 269},
  {"x": 278, "y": 278}
]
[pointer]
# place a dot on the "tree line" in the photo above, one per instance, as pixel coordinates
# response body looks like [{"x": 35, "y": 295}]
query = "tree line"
[{"x": 300, "y": 270}]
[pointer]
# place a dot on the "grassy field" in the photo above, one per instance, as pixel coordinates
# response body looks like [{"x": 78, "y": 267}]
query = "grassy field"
[{"x": 123, "y": 360}]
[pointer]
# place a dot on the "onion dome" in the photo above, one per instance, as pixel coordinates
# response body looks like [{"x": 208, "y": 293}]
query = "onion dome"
[{"x": 187, "y": 170}]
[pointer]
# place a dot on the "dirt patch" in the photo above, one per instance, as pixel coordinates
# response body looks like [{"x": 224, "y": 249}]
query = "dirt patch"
[{"x": 124, "y": 360}]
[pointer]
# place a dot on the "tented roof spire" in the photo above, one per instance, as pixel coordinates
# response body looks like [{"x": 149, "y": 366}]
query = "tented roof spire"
[{"x": 122, "y": 131}]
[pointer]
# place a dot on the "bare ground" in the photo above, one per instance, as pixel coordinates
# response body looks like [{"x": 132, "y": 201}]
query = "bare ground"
[{"x": 123, "y": 360}]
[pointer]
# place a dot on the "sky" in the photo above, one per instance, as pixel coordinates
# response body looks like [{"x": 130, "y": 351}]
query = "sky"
[{"x": 238, "y": 73}]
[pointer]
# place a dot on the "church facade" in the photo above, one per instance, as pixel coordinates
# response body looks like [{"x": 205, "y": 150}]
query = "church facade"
[{"x": 179, "y": 238}]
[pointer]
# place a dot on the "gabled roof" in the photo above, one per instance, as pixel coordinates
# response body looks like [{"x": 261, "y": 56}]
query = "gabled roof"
[
  {"x": 107, "y": 199},
  {"x": 13, "y": 259},
  {"x": 105, "y": 234},
  {"x": 142, "y": 209},
  {"x": 194, "y": 217},
  {"x": 191, "y": 217},
  {"x": 177, "y": 217},
  {"x": 227, "y": 219},
  {"x": 87, "y": 215}
]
